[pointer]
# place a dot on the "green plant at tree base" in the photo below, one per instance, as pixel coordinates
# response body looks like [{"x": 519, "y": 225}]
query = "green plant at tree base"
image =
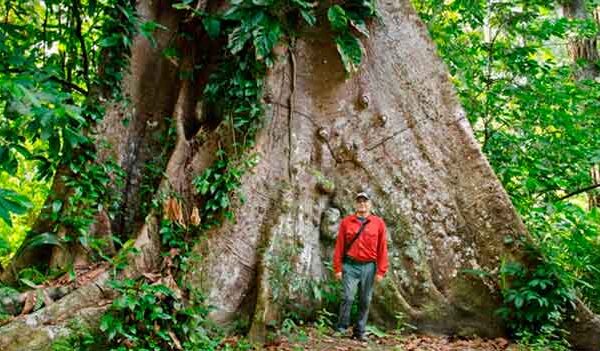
[
  {"x": 147, "y": 316},
  {"x": 240, "y": 345},
  {"x": 325, "y": 321},
  {"x": 402, "y": 324},
  {"x": 536, "y": 301},
  {"x": 153, "y": 317},
  {"x": 81, "y": 339},
  {"x": 545, "y": 340}
]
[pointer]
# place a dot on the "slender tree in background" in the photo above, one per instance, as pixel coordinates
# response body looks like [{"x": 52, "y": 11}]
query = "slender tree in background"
[
  {"x": 586, "y": 55},
  {"x": 234, "y": 145}
]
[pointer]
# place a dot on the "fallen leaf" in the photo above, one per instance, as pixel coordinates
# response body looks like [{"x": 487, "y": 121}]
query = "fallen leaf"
[
  {"x": 152, "y": 277},
  {"x": 175, "y": 340},
  {"x": 195, "y": 217},
  {"x": 47, "y": 299},
  {"x": 30, "y": 300}
]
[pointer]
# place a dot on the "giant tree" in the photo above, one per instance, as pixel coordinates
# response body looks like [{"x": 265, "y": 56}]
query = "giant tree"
[{"x": 248, "y": 126}]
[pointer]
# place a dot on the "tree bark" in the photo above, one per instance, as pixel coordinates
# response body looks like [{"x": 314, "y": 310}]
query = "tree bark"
[
  {"x": 395, "y": 129},
  {"x": 584, "y": 50}
]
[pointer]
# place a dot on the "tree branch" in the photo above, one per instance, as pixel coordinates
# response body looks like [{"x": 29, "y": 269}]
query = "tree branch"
[
  {"x": 65, "y": 83},
  {"x": 579, "y": 191},
  {"x": 69, "y": 85},
  {"x": 84, "y": 54}
]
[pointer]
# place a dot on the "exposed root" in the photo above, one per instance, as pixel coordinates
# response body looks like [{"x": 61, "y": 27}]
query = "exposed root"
[
  {"x": 37, "y": 331},
  {"x": 583, "y": 328},
  {"x": 265, "y": 310}
]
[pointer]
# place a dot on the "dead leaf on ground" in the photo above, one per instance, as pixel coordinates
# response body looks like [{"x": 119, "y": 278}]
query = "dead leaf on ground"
[
  {"x": 152, "y": 277},
  {"x": 91, "y": 274},
  {"x": 195, "y": 217},
  {"x": 175, "y": 340},
  {"x": 47, "y": 299},
  {"x": 30, "y": 300},
  {"x": 170, "y": 282}
]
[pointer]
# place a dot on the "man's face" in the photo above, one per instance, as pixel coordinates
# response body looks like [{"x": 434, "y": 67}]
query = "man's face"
[{"x": 362, "y": 205}]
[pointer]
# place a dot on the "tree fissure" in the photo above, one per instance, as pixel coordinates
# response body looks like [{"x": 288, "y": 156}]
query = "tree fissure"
[{"x": 291, "y": 105}]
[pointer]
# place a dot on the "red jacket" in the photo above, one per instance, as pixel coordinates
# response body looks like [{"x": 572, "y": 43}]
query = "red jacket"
[{"x": 371, "y": 245}]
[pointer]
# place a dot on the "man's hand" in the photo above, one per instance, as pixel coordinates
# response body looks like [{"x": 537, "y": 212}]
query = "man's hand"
[
  {"x": 378, "y": 278},
  {"x": 338, "y": 276}
]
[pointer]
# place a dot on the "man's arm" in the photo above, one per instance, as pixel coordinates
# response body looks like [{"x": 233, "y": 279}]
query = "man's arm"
[
  {"x": 340, "y": 244},
  {"x": 382, "y": 252}
]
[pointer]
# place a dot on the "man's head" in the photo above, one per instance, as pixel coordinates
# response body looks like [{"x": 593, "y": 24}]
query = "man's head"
[{"x": 362, "y": 204}]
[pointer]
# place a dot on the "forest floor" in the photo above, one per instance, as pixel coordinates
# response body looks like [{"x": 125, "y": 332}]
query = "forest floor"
[{"x": 318, "y": 340}]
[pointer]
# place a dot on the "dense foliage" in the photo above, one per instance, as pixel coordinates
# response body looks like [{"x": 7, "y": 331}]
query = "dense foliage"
[
  {"x": 538, "y": 127},
  {"x": 57, "y": 60}
]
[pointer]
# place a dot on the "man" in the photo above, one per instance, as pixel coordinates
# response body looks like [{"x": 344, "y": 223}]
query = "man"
[{"x": 360, "y": 259}]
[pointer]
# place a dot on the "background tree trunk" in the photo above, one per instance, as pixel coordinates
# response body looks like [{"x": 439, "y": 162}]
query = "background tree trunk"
[
  {"x": 584, "y": 52},
  {"x": 395, "y": 129}
]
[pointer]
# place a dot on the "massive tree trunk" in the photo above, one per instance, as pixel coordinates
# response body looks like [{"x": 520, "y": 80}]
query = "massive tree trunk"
[{"x": 395, "y": 129}]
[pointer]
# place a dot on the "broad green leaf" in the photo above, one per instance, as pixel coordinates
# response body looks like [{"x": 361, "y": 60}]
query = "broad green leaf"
[
  {"x": 237, "y": 39},
  {"x": 350, "y": 50},
  {"x": 30, "y": 96},
  {"x": 147, "y": 29},
  {"x": 337, "y": 18},
  {"x": 43, "y": 239},
  {"x": 183, "y": 5},
  {"x": 29, "y": 283},
  {"x": 265, "y": 38},
  {"x": 12, "y": 202},
  {"x": 5, "y": 247},
  {"x": 309, "y": 16},
  {"x": 212, "y": 25},
  {"x": 110, "y": 41},
  {"x": 360, "y": 25},
  {"x": 56, "y": 206},
  {"x": 265, "y": 3}
]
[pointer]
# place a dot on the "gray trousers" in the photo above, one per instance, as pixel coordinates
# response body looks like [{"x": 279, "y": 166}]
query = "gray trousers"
[{"x": 361, "y": 276}]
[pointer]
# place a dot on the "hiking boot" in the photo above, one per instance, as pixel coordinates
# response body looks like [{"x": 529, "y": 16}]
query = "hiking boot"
[{"x": 360, "y": 337}]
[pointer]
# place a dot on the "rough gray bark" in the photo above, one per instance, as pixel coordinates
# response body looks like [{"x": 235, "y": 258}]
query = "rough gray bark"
[{"x": 395, "y": 128}]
